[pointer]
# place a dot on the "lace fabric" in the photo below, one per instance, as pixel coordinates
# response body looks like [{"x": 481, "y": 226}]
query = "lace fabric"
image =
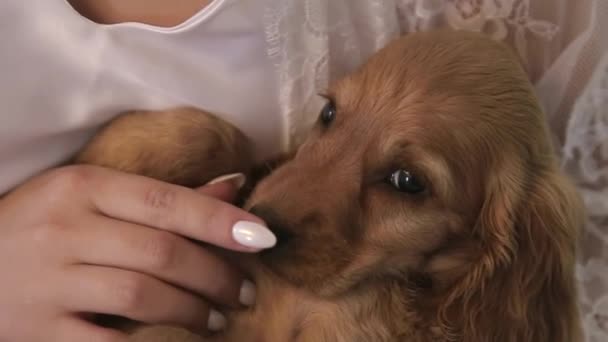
[
  {"x": 562, "y": 43},
  {"x": 585, "y": 156}
]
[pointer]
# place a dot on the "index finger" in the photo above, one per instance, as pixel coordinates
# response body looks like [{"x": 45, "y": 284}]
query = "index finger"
[{"x": 177, "y": 209}]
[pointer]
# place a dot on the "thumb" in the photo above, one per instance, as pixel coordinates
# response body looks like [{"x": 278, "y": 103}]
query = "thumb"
[{"x": 224, "y": 188}]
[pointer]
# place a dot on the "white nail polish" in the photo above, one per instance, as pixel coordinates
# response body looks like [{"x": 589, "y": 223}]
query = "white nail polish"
[
  {"x": 216, "y": 321},
  {"x": 247, "y": 293},
  {"x": 238, "y": 179},
  {"x": 253, "y": 235}
]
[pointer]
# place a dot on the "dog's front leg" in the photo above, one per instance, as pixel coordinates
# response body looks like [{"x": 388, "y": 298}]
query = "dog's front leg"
[{"x": 183, "y": 146}]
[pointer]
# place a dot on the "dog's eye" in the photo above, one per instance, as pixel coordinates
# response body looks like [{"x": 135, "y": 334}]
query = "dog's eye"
[
  {"x": 328, "y": 113},
  {"x": 405, "y": 181}
]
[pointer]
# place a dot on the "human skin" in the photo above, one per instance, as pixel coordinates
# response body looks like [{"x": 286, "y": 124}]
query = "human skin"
[
  {"x": 162, "y": 13},
  {"x": 84, "y": 239}
]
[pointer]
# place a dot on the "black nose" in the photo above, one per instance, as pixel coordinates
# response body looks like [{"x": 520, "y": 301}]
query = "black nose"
[{"x": 274, "y": 223}]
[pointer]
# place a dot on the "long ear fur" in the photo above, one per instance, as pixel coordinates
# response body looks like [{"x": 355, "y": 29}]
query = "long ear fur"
[{"x": 522, "y": 288}]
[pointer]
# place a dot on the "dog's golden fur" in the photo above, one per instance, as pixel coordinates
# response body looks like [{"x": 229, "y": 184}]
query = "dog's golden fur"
[{"x": 485, "y": 253}]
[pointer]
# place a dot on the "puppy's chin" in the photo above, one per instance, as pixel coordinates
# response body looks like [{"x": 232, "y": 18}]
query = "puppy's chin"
[{"x": 315, "y": 271}]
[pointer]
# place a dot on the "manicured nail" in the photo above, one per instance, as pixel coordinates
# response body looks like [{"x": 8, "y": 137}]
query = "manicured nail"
[
  {"x": 247, "y": 294},
  {"x": 216, "y": 321},
  {"x": 237, "y": 179},
  {"x": 254, "y": 235}
]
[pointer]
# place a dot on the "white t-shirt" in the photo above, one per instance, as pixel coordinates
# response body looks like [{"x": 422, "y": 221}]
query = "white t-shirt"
[
  {"x": 260, "y": 63},
  {"x": 62, "y": 76}
]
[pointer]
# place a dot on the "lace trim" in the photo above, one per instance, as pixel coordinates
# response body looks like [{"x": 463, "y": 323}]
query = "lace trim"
[
  {"x": 585, "y": 157},
  {"x": 505, "y": 20}
]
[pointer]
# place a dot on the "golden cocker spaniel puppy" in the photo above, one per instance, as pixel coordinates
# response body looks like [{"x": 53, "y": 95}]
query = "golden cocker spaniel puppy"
[{"x": 426, "y": 204}]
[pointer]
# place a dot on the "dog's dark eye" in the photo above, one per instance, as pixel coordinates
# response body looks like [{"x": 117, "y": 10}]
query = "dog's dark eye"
[
  {"x": 405, "y": 181},
  {"x": 328, "y": 113}
]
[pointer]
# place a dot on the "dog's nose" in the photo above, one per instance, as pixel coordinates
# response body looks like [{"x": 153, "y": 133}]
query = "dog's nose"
[{"x": 274, "y": 223}]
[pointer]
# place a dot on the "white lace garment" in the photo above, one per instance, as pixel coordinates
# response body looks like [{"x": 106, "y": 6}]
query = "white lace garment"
[{"x": 564, "y": 44}]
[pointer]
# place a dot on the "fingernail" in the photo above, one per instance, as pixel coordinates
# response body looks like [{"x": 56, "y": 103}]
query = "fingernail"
[
  {"x": 253, "y": 235},
  {"x": 216, "y": 321},
  {"x": 247, "y": 294},
  {"x": 237, "y": 179}
]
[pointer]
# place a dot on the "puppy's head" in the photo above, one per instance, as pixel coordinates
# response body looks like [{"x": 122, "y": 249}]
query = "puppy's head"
[{"x": 431, "y": 162}]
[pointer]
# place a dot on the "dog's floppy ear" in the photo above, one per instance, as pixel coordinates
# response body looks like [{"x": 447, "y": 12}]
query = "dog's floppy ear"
[{"x": 521, "y": 288}]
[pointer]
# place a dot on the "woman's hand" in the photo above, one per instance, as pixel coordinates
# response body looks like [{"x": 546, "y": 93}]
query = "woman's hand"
[{"x": 84, "y": 239}]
